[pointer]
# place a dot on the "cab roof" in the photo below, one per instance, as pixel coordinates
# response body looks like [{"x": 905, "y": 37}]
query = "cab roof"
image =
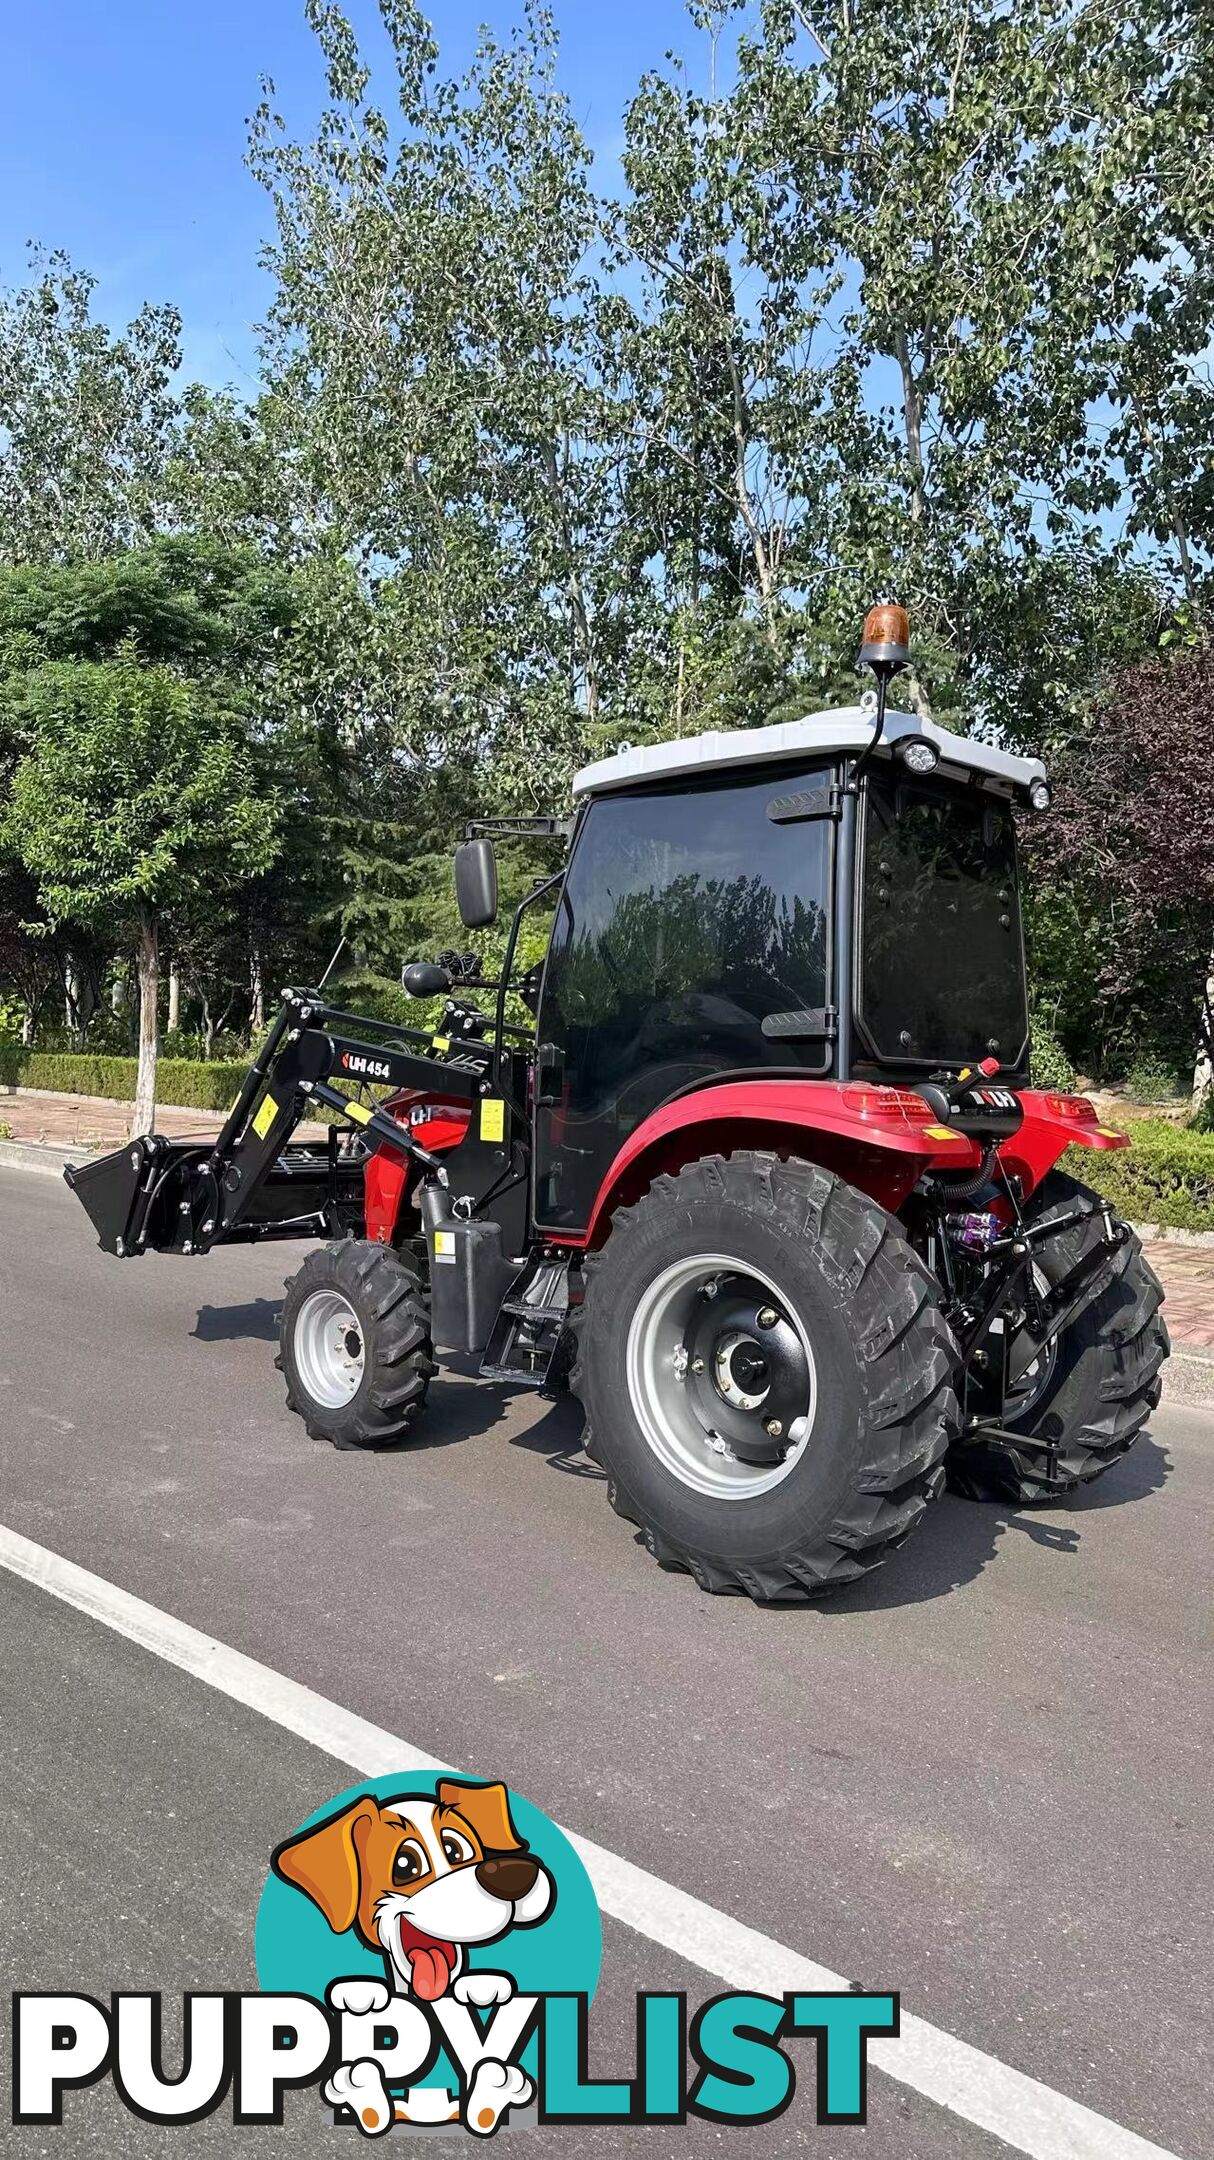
[{"x": 844, "y": 732}]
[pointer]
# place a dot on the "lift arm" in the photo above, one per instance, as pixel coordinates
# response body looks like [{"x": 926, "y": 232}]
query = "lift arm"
[{"x": 185, "y": 1196}]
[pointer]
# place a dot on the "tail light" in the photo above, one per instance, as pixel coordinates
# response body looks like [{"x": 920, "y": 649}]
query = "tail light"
[
  {"x": 1076, "y": 1109},
  {"x": 887, "y": 1102}
]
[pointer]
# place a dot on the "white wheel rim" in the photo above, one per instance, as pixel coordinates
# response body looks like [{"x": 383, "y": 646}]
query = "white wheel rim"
[
  {"x": 330, "y": 1355},
  {"x": 669, "y": 1412}
]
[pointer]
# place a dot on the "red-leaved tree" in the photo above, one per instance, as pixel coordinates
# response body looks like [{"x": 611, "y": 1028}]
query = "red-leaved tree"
[{"x": 1133, "y": 828}]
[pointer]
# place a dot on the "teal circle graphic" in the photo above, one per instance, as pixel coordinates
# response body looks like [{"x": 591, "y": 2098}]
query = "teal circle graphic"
[{"x": 297, "y": 1952}]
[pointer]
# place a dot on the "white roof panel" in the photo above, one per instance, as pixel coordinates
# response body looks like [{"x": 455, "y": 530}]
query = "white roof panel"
[{"x": 845, "y": 731}]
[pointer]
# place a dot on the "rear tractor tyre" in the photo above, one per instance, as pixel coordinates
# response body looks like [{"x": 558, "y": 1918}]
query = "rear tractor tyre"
[
  {"x": 1097, "y": 1386},
  {"x": 355, "y": 1345},
  {"x": 767, "y": 1376}
]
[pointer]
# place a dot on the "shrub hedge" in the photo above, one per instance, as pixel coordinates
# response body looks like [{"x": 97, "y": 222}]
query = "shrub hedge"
[
  {"x": 184, "y": 1083},
  {"x": 1051, "y": 1067},
  {"x": 1166, "y": 1175}
]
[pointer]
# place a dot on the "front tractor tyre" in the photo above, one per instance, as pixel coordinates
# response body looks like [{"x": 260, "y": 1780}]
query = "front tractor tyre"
[
  {"x": 355, "y": 1345},
  {"x": 766, "y": 1375},
  {"x": 1093, "y": 1388}
]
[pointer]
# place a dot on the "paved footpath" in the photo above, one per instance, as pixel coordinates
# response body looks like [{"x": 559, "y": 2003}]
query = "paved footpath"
[
  {"x": 1187, "y": 1274},
  {"x": 981, "y": 1776},
  {"x": 89, "y": 1122}
]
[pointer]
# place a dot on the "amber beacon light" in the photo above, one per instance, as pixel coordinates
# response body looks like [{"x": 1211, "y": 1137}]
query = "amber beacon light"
[
  {"x": 885, "y": 651},
  {"x": 886, "y": 646}
]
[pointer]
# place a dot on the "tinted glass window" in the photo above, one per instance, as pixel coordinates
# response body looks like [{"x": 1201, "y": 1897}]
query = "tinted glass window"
[
  {"x": 943, "y": 969},
  {"x": 687, "y": 917}
]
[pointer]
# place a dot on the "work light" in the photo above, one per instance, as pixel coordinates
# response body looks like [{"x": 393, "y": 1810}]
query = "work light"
[
  {"x": 917, "y": 754},
  {"x": 1040, "y": 795}
]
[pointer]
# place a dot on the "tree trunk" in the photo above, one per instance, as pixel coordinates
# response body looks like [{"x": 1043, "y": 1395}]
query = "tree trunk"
[
  {"x": 680, "y": 686},
  {"x": 81, "y": 991},
  {"x": 213, "y": 1020},
  {"x": 257, "y": 993},
  {"x": 912, "y": 414},
  {"x": 144, "y": 1120},
  {"x": 174, "y": 997},
  {"x": 1174, "y": 518},
  {"x": 27, "y": 1028},
  {"x": 742, "y": 495},
  {"x": 579, "y": 613},
  {"x": 921, "y": 704},
  {"x": 1203, "y": 1069}
]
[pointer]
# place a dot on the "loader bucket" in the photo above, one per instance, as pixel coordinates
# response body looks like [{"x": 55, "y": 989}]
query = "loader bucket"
[{"x": 124, "y": 1195}]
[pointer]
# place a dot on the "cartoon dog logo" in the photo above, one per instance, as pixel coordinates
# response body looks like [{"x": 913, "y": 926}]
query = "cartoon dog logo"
[{"x": 422, "y": 1878}]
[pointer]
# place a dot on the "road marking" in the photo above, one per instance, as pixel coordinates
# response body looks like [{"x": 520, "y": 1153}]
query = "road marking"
[{"x": 1028, "y": 2116}]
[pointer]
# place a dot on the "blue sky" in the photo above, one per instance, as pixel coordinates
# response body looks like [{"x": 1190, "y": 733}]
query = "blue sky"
[{"x": 122, "y": 131}]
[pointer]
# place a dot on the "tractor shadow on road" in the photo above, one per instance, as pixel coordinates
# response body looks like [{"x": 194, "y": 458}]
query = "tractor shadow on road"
[
  {"x": 957, "y": 1542},
  {"x": 558, "y": 1436},
  {"x": 960, "y": 1538},
  {"x": 256, "y": 1320},
  {"x": 460, "y": 1406}
]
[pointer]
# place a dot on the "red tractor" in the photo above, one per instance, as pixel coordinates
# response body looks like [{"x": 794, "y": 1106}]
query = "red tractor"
[{"x": 767, "y": 1172}]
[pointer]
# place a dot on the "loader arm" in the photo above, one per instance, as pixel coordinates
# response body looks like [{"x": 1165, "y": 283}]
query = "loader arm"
[{"x": 251, "y": 1183}]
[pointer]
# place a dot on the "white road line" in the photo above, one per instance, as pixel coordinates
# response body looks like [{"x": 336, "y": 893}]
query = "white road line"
[{"x": 1028, "y": 2116}]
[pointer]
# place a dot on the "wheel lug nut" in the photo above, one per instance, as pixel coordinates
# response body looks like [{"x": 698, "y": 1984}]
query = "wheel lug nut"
[
  {"x": 769, "y": 1316},
  {"x": 773, "y": 1428},
  {"x": 697, "y": 1364}
]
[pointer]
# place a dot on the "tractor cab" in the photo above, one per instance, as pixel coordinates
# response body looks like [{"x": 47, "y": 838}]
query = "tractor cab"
[{"x": 740, "y": 906}]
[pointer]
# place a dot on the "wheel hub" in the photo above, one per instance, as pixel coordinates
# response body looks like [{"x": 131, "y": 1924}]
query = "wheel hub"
[
  {"x": 329, "y": 1350},
  {"x": 721, "y": 1375},
  {"x": 740, "y": 1372},
  {"x": 748, "y": 1369}
]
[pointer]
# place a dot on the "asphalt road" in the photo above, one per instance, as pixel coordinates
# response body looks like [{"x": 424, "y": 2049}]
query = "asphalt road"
[{"x": 982, "y": 1778}]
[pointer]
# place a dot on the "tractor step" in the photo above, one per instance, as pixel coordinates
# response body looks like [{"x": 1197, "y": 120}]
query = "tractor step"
[
  {"x": 523, "y": 1343},
  {"x": 513, "y": 1375}
]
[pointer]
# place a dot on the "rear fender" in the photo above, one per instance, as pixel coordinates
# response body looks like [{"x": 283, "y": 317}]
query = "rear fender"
[
  {"x": 880, "y": 1139},
  {"x": 1051, "y": 1124}
]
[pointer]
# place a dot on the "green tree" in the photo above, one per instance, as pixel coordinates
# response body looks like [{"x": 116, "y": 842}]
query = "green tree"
[
  {"x": 27, "y": 952},
  {"x": 196, "y": 604},
  {"x": 137, "y": 791},
  {"x": 87, "y": 417},
  {"x": 1121, "y": 196},
  {"x": 714, "y": 356},
  {"x": 427, "y": 360},
  {"x": 928, "y": 253},
  {"x": 227, "y": 618}
]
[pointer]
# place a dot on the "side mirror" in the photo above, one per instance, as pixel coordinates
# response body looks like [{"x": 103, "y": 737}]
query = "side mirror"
[
  {"x": 423, "y": 979},
  {"x": 476, "y": 884}
]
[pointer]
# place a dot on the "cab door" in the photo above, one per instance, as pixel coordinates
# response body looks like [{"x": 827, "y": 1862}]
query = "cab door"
[{"x": 690, "y": 917}]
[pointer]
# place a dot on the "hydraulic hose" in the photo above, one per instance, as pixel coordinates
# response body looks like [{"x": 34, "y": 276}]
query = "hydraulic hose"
[{"x": 966, "y": 1187}]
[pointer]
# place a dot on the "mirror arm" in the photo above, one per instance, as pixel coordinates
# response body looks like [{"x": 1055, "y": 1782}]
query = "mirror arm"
[
  {"x": 521, "y": 828},
  {"x": 499, "y": 1021}
]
